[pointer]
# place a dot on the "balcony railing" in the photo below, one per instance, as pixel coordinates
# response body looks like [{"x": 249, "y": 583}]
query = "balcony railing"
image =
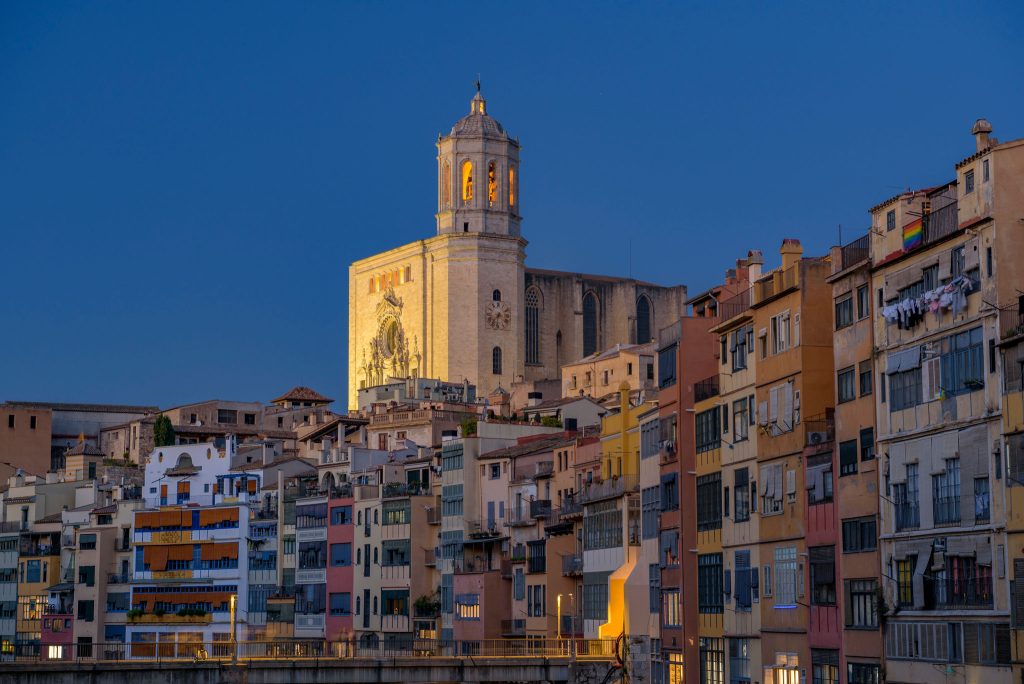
[
  {"x": 572, "y": 564},
  {"x": 1011, "y": 322},
  {"x": 518, "y": 553},
  {"x": 608, "y": 489},
  {"x": 398, "y": 489},
  {"x": 820, "y": 430},
  {"x": 735, "y": 305},
  {"x": 571, "y": 507},
  {"x": 908, "y": 515},
  {"x": 974, "y": 592},
  {"x": 947, "y": 510},
  {"x": 482, "y": 528},
  {"x": 118, "y": 578},
  {"x": 434, "y": 515},
  {"x": 776, "y": 283},
  {"x": 540, "y": 508},
  {"x": 430, "y": 558},
  {"x": 855, "y": 252},
  {"x": 706, "y": 388},
  {"x": 513, "y": 627},
  {"x": 941, "y": 223},
  {"x": 519, "y": 517}
]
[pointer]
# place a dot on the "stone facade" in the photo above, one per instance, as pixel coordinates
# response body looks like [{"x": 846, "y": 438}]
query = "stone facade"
[{"x": 463, "y": 306}]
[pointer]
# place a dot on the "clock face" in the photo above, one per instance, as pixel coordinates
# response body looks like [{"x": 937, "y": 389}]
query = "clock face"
[{"x": 498, "y": 315}]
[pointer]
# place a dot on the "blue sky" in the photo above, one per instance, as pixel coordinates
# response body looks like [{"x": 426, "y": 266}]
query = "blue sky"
[{"x": 183, "y": 185}]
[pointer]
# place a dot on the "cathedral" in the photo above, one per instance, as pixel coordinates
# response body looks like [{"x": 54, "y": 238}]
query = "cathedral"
[{"x": 463, "y": 305}]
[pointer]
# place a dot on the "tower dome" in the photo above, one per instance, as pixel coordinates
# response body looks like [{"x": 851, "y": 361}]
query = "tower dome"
[
  {"x": 478, "y": 175},
  {"x": 478, "y": 123}
]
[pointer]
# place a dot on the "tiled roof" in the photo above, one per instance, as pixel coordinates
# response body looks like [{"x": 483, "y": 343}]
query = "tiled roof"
[
  {"x": 53, "y": 517},
  {"x": 533, "y": 446},
  {"x": 301, "y": 393},
  {"x": 84, "y": 449},
  {"x": 93, "y": 408}
]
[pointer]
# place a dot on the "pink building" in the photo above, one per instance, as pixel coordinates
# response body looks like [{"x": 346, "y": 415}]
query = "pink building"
[
  {"x": 482, "y": 605},
  {"x": 825, "y": 633},
  {"x": 340, "y": 535}
]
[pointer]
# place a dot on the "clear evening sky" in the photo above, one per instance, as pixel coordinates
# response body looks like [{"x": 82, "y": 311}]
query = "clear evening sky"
[{"x": 183, "y": 185}]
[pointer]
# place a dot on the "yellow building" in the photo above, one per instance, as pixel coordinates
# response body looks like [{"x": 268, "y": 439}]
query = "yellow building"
[{"x": 712, "y": 419}]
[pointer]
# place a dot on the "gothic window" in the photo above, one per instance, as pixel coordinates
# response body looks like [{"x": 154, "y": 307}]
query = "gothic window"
[
  {"x": 533, "y": 306},
  {"x": 496, "y": 295},
  {"x": 446, "y": 185},
  {"x": 496, "y": 360},
  {"x": 492, "y": 183},
  {"x": 512, "y": 186},
  {"x": 643, "y": 320},
  {"x": 467, "y": 181},
  {"x": 589, "y": 323}
]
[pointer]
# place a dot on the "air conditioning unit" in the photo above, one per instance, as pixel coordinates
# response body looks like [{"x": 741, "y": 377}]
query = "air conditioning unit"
[{"x": 817, "y": 437}]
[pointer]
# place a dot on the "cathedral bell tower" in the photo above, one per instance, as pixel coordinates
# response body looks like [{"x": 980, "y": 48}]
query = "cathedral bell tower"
[{"x": 478, "y": 175}]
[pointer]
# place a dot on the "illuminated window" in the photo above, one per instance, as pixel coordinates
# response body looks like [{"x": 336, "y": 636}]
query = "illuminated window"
[
  {"x": 492, "y": 183},
  {"x": 446, "y": 185},
  {"x": 467, "y": 181},
  {"x": 512, "y": 186}
]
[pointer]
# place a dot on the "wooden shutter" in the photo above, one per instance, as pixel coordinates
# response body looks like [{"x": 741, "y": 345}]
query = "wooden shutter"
[
  {"x": 1017, "y": 588},
  {"x": 970, "y": 631},
  {"x": 1003, "y": 644}
]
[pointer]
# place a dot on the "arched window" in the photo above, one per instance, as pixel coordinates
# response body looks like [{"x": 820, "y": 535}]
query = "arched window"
[
  {"x": 533, "y": 306},
  {"x": 512, "y": 186},
  {"x": 496, "y": 360},
  {"x": 496, "y": 295},
  {"x": 467, "y": 181},
  {"x": 643, "y": 320},
  {"x": 492, "y": 184},
  {"x": 446, "y": 185},
  {"x": 589, "y": 323}
]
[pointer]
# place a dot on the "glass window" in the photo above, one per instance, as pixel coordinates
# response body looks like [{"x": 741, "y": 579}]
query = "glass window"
[
  {"x": 863, "y": 302},
  {"x": 847, "y": 457},
  {"x": 823, "y": 575},
  {"x": 845, "y": 385},
  {"x": 844, "y": 311}
]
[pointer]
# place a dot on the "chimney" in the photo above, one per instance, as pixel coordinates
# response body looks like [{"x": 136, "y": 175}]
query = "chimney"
[
  {"x": 981, "y": 131},
  {"x": 791, "y": 252},
  {"x": 755, "y": 262}
]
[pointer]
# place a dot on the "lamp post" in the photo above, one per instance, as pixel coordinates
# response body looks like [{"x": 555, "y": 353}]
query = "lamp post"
[
  {"x": 558, "y": 603},
  {"x": 234, "y": 641}
]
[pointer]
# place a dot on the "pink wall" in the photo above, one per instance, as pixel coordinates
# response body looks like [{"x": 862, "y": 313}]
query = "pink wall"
[{"x": 339, "y": 579}]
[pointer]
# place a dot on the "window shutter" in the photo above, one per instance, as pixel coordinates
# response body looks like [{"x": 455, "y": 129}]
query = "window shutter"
[
  {"x": 1018, "y": 592},
  {"x": 773, "y": 407},
  {"x": 727, "y": 582},
  {"x": 767, "y": 580},
  {"x": 970, "y": 642},
  {"x": 762, "y": 413},
  {"x": 787, "y": 406},
  {"x": 1016, "y": 466},
  {"x": 796, "y": 330},
  {"x": 790, "y": 482},
  {"x": 1003, "y": 644},
  {"x": 753, "y": 496},
  {"x": 755, "y": 584},
  {"x": 930, "y": 381}
]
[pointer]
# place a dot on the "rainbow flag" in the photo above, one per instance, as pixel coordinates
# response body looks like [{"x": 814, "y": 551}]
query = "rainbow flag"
[{"x": 913, "y": 235}]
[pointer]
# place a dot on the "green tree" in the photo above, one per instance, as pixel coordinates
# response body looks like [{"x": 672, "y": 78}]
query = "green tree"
[
  {"x": 163, "y": 432},
  {"x": 468, "y": 427}
]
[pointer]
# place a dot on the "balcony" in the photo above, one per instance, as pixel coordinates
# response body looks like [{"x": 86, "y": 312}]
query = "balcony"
[
  {"x": 947, "y": 510},
  {"x": 472, "y": 566},
  {"x": 941, "y": 223},
  {"x": 117, "y": 578},
  {"x": 394, "y": 490},
  {"x": 537, "y": 564},
  {"x": 855, "y": 252},
  {"x": 734, "y": 306},
  {"x": 434, "y": 515},
  {"x": 395, "y": 623},
  {"x": 518, "y": 553},
  {"x": 430, "y": 558},
  {"x": 1011, "y": 322},
  {"x": 571, "y": 508},
  {"x": 540, "y": 508},
  {"x": 482, "y": 529},
  {"x": 169, "y": 619},
  {"x": 611, "y": 488},
  {"x": 572, "y": 565},
  {"x": 908, "y": 516},
  {"x": 519, "y": 517},
  {"x": 706, "y": 388},
  {"x": 775, "y": 283},
  {"x": 820, "y": 430},
  {"x": 969, "y": 592},
  {"x": 366, "y": 492},
  {"x": 513, "y": 628}
]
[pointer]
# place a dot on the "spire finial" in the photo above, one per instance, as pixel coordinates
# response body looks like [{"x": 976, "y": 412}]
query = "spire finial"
[{"x": 478, "y": 82}]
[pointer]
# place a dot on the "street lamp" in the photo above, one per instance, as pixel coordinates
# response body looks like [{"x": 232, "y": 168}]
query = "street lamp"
[
  {"x": 234, "y": 641},
  {"x": 558, "y": 603}
]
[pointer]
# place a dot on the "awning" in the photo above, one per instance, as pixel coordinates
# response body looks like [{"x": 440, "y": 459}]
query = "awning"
[{"x": 904, "y": 360}]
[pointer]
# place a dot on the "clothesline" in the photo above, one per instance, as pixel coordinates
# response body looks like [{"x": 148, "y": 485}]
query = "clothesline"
[{"x": 908, "y": 313}]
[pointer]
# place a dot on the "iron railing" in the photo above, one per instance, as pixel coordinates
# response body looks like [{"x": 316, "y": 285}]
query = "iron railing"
[
  {"x": 908, "y": 515},
  {"x": 820, "y": 430},
  {"x": 706, "y": 388},
  {"x": 735, "y": 305},
  {"x": 941, "y": 223},
  {"x": 572, "y": 564},
  {"x": 973, "y": 592},
  {"x": 855, "y": 252},
  {"x": 608, "y": 489},
  {"x": 1011, "y": 321},
  {"x": 947, "y": 510}
]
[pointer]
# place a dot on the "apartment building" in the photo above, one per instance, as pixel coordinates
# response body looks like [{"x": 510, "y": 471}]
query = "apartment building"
[
  {"x": 944, "y": 260},
  {"x": 311, "y": 566},
  {"x": 842, "y": 474},
  {"x": 1011, "y": 326},
  {"x": 793, "y": 338},
  {"x": 740, "y": 529},
  {"x": 8, "y": 589},
  {"x": 190, "y": 579},
  {"x": 600, "y": 374}
]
